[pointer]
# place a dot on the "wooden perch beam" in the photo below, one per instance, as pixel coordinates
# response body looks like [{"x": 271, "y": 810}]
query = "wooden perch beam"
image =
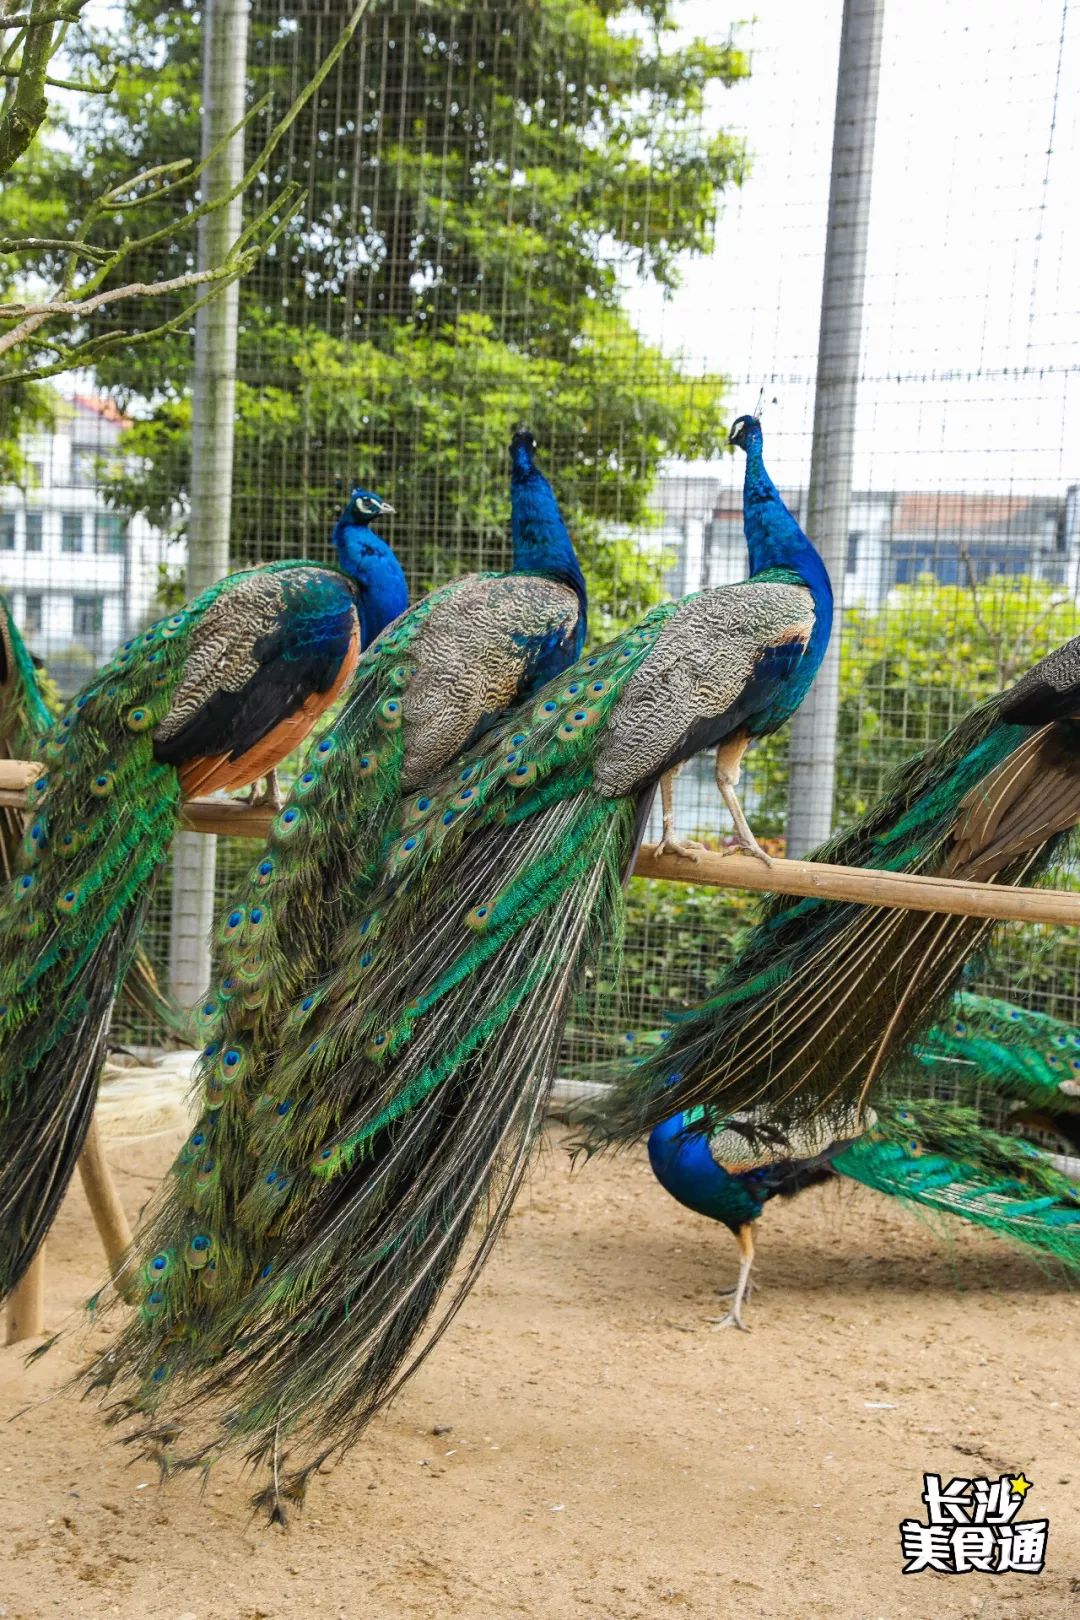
[{"x": 230, "y": 818}]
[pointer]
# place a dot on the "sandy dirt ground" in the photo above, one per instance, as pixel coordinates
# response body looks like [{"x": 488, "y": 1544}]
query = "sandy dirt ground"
[{"x": 601, "y": 1451}]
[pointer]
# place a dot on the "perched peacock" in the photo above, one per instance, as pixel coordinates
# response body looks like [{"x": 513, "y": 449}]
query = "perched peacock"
[
  {"x": 941, "y": 1156},
  {"x": 210, "y": 697},
  {"x": 825, "y": 993},
  {"x": 411, "y": 1081},
  {"x": 434, "y": 681}
]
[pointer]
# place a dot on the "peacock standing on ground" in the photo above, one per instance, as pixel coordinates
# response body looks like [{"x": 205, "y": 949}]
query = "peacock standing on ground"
[
  {"x": 211, "y": 697},
  {"x": 825, "y": 994},
  {"x": 939, "y": 1156},
  {"x": 411, "y": 1081}
]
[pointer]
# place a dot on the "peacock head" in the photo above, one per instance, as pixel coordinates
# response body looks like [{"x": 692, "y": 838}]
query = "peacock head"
[
  {"x": 746, "y": 433},
  {"x": 370, "y": 560},
  {"x": 364, "y": 506},
  {"x": 522, "y": 452}
]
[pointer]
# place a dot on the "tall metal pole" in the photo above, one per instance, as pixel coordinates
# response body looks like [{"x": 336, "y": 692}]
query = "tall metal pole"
[
  {"x": 813, "y": 731},
  {"x": 224, "y": 44}
]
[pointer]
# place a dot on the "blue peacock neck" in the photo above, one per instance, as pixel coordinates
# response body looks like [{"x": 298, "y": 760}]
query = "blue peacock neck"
[
  {"x": 383, "y": 591},
  {"x": 775, "y": 542},
  {"x": 541, "y": 540}
]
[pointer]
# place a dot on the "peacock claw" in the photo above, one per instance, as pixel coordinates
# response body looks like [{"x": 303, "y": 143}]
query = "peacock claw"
[
  {"x": 264, "y": 794},
  {"x": 750, "y": 846},
  {"x": 689, "y": 848},
  {"x": 732, "y": 1319}
]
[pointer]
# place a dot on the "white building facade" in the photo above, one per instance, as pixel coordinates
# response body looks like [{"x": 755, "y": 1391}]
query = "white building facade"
[{"x": 80, "y": 577}]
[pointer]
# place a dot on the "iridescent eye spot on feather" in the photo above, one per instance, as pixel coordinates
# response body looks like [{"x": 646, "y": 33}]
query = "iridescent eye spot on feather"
[
  {"x": 199, "y": 1251},
  {"x": 419, "y": 808},
  {"x": 523, "y": 776},
  {"x": 263, "y": 875},
  {"x": 448, "y": 818},
  {"x": 326, "y": 1161},
  {"x": 233, "y": 924},
  {"x": 326, "y": 745},
  {"x": 152, "y": 1306},
  {"x": 103, "y": 784},
  {"x": 407, "y": 848},
  {"x": 465, "y": 797},
  {"x": 69, "y": 902},
  {"x": 367, "y": 765},
  {"x": 468, "y": 773},
  {"x": 914, "y": 1148},
  {"x": 287, "y": 822},
  {"x": 368, "y": 924},
  {"x": 399, "y": 677},
  {"x": 306, "y": 782},
  {"x": 479, "y": 917},
  {"x": 139, "y": 719},
  {"x": 24, "y": 885},
  {"x": 283, "y": 1108},
  {"x": 389, "y": 715},
  {"x": 229, "y": 1065},
  {"x": 172, "y": 627},
  {"x": 40, "y": 785},
  {"x": 159, "y": 1267},
  {"x": 377, "y": 1046}
]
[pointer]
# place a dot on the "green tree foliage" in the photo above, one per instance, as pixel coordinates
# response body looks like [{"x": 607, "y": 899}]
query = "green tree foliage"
[{"x": 482, "y": 180}]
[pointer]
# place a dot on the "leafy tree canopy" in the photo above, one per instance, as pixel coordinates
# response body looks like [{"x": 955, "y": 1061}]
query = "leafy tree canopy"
[{"x": 481, "y": 181}]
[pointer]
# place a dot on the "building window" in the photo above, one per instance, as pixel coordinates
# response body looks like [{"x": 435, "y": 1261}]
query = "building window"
[
  {"x": 7, "y": 531},
  {"x": 33, "y": 531},
  {"x": 84, "y": 468},
  {"x": 32, "y": 613},
  {"x": 87, "y": 615},
  {"x": 71, "y": 531},
  {"x": 853, "y": 553},
  {"x": 110, "y": 534}
]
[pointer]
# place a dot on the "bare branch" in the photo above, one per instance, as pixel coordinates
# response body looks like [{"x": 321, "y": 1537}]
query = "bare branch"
[{"x": 35, "y": 244}]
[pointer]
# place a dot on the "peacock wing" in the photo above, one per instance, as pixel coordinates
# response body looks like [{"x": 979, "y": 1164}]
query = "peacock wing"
[
  {"x": 264, "y": 660},
  {"x": 687, "y": 697}
]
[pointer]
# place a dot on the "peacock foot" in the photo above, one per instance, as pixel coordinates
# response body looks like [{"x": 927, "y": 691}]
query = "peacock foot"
[
  {"x": 264, "y": 794},
  {"x": 689, "y": 848},
  {"x": 732, "y": 1319},
  {"x": 750, "y": 846}
]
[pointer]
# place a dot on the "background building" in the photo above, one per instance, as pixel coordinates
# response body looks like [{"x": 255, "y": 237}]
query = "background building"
[{"x": 80, "y": 576}]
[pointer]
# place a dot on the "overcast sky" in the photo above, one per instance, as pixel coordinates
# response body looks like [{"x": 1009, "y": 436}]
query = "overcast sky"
[{"x": 971, "y": 345}]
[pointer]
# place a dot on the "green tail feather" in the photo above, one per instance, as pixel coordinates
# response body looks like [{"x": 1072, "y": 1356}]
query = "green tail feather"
[
  {"x": 1005, "y": 1048},
  {"x": 943, "y": 1158},
  {"x": 101, "y": 822},
  {"x": 825, "y": 993},
  {"x": 406, "y": 1097}
]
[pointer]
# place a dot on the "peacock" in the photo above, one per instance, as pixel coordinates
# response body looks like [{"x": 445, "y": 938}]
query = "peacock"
[
  {"x": 940, "y": 1156},
  {"x": 211, "y": 696},
  {"x": 825, "y": 994},
  {"x": 409, "y": 1082},
  {"x": 434, "y": 681}
]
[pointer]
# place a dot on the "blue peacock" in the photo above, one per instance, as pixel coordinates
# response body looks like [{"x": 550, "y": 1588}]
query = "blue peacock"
[
  {"x": 940, "y": 1156},
  {"x": 213, "y": 696},
  {"x": 825, "y": 995},
  {"x": 406, "y": 1086}
]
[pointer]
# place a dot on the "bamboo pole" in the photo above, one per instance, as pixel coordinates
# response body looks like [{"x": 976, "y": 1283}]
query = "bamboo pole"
[
  {"x": 902, "y": 890},
  {"x": 230, "y": 818},
  {"x": 26, "y": 1303}
]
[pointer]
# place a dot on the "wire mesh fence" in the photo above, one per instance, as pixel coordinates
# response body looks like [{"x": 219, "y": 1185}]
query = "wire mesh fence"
[{"x": 607, "y": 221}]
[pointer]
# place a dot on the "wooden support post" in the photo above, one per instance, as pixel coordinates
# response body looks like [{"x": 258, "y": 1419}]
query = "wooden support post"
[
  {"x": 26, "y": 1303},
  {"x": 101, "y": 1195}
]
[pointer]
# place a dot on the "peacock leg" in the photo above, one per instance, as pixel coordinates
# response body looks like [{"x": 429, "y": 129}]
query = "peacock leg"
[
  {"x": 728, "y": 768},
  {"x": 669, "y": 843},
  {"x": 266, "y": 793},
  {"x": 745, "y": 1239}
]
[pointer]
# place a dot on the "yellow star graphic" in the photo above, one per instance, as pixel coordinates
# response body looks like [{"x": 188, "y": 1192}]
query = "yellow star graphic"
[{"x": 1020, "y": 1486}]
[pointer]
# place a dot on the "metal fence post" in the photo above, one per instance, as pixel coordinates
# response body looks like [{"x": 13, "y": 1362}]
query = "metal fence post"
[
  {"x": 813, "y": 731},
  {"x": 225, "y": 33}
]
